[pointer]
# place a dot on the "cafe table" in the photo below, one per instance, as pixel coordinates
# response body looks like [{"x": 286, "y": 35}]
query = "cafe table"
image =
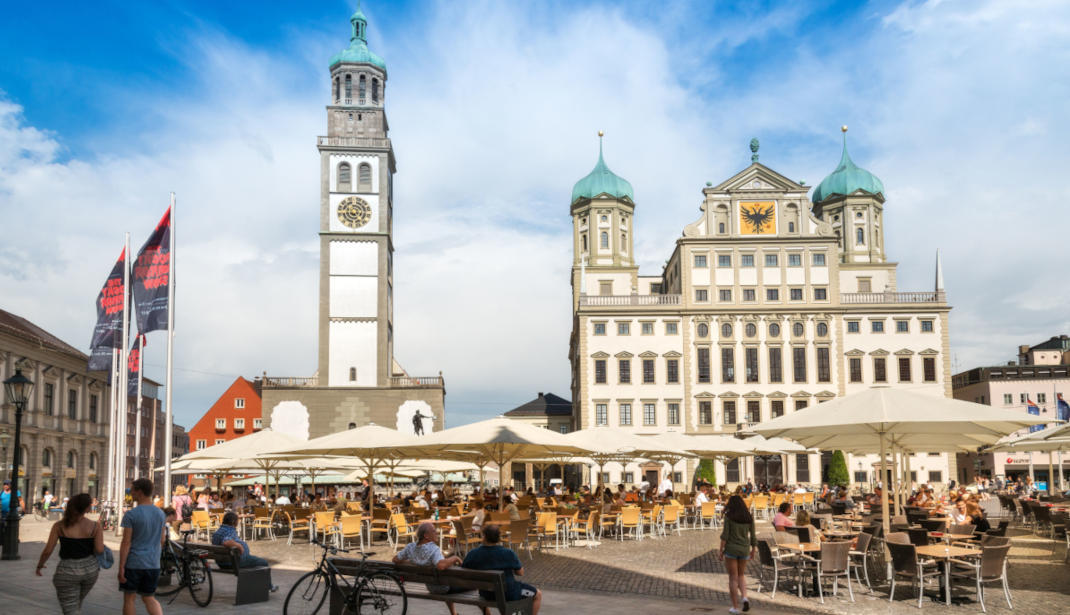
[
  {"x": 841, "y": 534},
  {"x": 950, "y": 537},
  {"x": 803, "y": 548},
  {"x": 945, "y": 553}
]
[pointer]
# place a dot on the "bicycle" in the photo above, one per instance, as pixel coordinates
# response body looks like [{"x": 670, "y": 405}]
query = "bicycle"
[
  {"x": 186, "y": 568},
  {"x": 39, "y": 513},
  {"x": 377, "y": 592}
]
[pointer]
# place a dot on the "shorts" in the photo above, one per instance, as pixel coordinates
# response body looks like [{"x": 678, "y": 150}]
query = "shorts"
[
  {"x": 141, "y": 581},
  {"x": 518, "y": 591},
  {"x": 740, "y": 557}
]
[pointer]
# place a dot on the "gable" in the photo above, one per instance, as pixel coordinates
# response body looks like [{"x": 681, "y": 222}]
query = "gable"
[{"x": 759, "y": 178}]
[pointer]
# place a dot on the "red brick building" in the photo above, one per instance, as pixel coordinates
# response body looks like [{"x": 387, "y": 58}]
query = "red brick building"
[{"x": 235, "y": 414}]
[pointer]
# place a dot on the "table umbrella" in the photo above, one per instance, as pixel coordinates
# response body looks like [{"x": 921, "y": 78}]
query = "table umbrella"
[
  {"x": 255, "y": 446},
  {"x": 1054, "y": 439}
]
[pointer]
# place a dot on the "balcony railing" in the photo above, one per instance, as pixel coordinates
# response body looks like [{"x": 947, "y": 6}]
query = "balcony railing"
[
  {"x": 746, "y": 428},
  {"x": 352, "y": 142},
  {"x": 417, "y": 381},
  {"x": 937, "y": 296},
  {"x": 603, "y": 300},
  {"x": 285, "y": 382}
]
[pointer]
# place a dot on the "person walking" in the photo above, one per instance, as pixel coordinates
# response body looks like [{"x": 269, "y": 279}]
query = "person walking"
[
  {"x": 139, "y": 554},
  {"x": 738, "y": 544},
  {"x": 80, "y": 540}
]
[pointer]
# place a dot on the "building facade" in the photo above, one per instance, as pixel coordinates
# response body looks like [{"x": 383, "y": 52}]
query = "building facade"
[
  {"x": 236, "y": 413},
  {"x": 1055, "y": 351},
  {"x": 547, "y": 411},
  {"x": 65, "y": 425},
  {"x": 141, "y": 462},
  {"x": 358, "y": 381},
  {"x": 769, "y": 302}
]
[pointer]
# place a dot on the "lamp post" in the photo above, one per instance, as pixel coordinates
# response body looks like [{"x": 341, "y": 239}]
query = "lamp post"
[{"x": 17, "y": 389}]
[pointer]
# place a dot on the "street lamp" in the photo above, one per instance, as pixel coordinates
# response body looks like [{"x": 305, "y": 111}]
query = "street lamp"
[{"x": 17, "y": 389}]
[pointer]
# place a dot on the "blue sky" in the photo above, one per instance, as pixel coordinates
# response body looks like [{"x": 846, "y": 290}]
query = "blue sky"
[{"x": 959, "y": 107}]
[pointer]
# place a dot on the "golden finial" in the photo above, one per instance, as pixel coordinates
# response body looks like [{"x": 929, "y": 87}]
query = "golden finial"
[
  {"x": 601, "y": 133},
  {"x": 843, "y": 128}
]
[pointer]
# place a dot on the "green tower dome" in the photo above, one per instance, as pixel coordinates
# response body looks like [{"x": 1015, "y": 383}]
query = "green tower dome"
[
  {"x": 358, "y": 52},
  {"x": 848, "y": 178},
  {"x": 602, "y": 181}
]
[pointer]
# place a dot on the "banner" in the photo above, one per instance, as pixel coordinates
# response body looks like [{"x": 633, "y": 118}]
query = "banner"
[
  {"x": 133, "y": 364},
  {"x": 108, "y": 331},
  {"x": 152, "y": 275},
  {"x": 1032, "y": 408},
  {"x": 1064, "y": 408}
]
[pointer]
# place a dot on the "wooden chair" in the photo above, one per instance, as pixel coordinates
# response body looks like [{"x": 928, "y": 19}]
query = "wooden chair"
[
  {"x": 588, "y": 528},
  {"x": 297, "y": 525},
  {"x": 380, "y": 521},
  {"x": 201, "y": 521},
  {"x": 670, "y": 518},
  {"x": 630, "y": 518},
  {"x": 520, "y": 535},
  {"x": 262, "y": 522},
  {"x": 652, "y": 521},
  {"x": 760, "y": 505}
]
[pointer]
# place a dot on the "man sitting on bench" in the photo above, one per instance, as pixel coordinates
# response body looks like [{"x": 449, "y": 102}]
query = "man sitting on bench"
[
  {"x": 492, "y": 556},
  {"x": 425, "y": 552},
  {"x": 227, "y": 536}
]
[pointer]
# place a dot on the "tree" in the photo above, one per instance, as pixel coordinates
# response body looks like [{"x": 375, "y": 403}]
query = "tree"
[
  {"x": 838, "y": 470},
  {"x": 706, "y": 470}
]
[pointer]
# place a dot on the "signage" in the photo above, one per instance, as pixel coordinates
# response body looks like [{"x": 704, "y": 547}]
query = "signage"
[{"x": 1016, "y": 460}]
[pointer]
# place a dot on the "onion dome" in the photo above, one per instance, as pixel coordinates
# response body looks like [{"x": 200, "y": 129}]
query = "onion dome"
[
  {"x": 602, "y": 181},
  {"x": 358, "y": 52},
  {"x": 848, "y": 178}
]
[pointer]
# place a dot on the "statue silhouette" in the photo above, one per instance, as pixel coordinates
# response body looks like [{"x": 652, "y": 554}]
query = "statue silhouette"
[{"x": 418, "y": 423}]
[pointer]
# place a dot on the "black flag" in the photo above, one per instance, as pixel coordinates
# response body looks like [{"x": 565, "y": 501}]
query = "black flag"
[
  {"x": 133, "y": 363},
  {"x": 107, "y": 334},
  {"x": 152, "y": 276}
]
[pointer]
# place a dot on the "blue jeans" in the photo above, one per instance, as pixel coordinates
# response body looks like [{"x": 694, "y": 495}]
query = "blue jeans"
[{"x": 249, "y": 561}]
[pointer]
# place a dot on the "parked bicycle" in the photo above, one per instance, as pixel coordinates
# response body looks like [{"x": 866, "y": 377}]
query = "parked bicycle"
[
  {"x": 186, "y": 567},
  {"x": 372, "y": 591}
]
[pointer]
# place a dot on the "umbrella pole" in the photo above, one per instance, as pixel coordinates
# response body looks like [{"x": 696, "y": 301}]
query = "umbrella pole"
[
  {"x": 1051, "y": 474},
  {"x": 884, "y": 503}
]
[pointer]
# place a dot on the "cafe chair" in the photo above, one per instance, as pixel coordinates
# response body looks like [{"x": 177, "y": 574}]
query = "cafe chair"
[
  {"x": 834, "y": 562},
  {"x": 906, "y": 565},
  {"x": 991, "y": 567}
]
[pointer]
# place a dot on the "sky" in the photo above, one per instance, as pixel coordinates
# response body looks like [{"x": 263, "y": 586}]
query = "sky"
[{"x": 959, "y": 108}]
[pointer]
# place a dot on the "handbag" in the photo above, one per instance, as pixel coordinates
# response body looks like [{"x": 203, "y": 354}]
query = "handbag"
[{"x": 106, "y": 559}]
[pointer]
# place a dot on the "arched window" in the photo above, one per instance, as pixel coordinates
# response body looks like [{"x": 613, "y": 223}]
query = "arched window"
[
  {"x": 70, "y": 459},
  {"x": 860, "y": 237},
  {"x": 336, "y": 89},
  {"x": 797, "y": 329},
  {"x": 791, "y": 227},
  {"x": 703, "y": 329},
  {"x": 92, "y": 461},
  {"x": 345, "y": 177},
  {"x": 352, "y": 374},
  {"x": 46, "y": 458},
  {"x": 364, "y": 177},
  {"x": 352, "y": 425},
  {"x": 721, "y": 216},
  {"x": 349, "y": 89},
  {"x": 751, "y": 329},
  {"x": 822, "y": 329},
  {"x": 375, "y": 90},
  {"x": 604, "y": 240},
  {"x": 583, "y": 241},
  {"x": 774, "y": 330},
  {"x": 726, "y": 330},
  {"x": 720, "y": 227},
  {"x": 362, "y": 89}
]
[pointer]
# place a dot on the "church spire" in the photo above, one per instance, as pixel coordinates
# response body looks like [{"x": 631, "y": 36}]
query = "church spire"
[{"x": 360, "y": 25}]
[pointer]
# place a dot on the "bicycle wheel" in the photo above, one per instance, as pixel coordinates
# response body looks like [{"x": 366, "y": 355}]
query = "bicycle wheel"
[
  {"x": 379, "y": 594},
  {"x": 307, "y": 595},
  {"x": 169, "y": 568},
  {"x": 200, "y": 581}
]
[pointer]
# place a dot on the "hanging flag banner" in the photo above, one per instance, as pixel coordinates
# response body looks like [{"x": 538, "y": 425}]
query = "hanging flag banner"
[
  {"x": 152, "y": 277},
  {"x": 109, "y": 327},
  {"x": 1032, "y": 408},
  {"x": 133, "y": 366},
  {"x": 1064, "y": 408}
]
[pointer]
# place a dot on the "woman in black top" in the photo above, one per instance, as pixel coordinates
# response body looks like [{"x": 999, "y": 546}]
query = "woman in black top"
[{"x": 80, "y": 540}]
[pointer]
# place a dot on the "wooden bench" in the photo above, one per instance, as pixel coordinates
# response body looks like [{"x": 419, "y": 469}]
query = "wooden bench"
[
  {"x": 254, "y": 584},
  {"x": 416, "y": 577}
]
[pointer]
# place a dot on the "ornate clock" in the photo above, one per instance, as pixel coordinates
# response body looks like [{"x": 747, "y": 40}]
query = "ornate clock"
[
  {"x": 757, "y": 218},
  {"x": 354, "y": 212}
]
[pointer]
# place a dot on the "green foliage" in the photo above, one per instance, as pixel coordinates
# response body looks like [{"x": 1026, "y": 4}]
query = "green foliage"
[
  {"x": 705, "y": 470},
  {"x": 838, "y": 470}
]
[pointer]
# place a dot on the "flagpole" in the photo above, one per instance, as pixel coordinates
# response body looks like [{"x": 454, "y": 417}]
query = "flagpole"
[
  {"x": 109, "y": 484},
  {"x": 137, "y": 419},
  {"x": 170, "y": 357},
  {"x": 124, "y": 391}
]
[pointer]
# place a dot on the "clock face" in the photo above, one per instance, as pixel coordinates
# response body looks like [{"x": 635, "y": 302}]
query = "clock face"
[
  {"x": 354, "y": 212},
  {"x": 757, "y": 218}
]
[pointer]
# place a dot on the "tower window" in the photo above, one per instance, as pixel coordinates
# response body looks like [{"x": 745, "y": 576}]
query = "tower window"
[
  {"x": 362, "y": 89},
  {"x": 860, "y": 237},
  {"x": 624, "y": 242},
  {"x": 583, "y": 241},
  {"x": 604, "y": 240},
  {"x": 720, "y": 227},
  {"x": 344, "y": 177},
  {"x": 364, "y": 177},
  {"x": 336, "y": 89},
  {"x": 791, "y": 227},
  {"x": 352, "y": 374},
  {"x": 349, "y": 89},
  {"x": 375, "y": 90}
]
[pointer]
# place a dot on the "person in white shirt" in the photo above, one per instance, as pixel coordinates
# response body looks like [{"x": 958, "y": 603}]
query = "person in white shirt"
[
  {"x": 282, "y": 500},
  {"x": 800, "y": 489},
  {"x": 702, "y": 496},
  {"x": 666, "y": 485},
  {"x": 513, "y": 497}
]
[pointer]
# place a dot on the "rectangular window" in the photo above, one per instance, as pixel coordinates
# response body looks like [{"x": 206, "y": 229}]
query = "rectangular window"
[
  {"x": 650, "y": 414},
  {"x": 731, "y": 471},
  {"x": 605, "y": 288},
  {"x": 672, "y": 328},
  {"x": 751, "y": 357},
  {"x": 705, "y": 413},
  {"x": 702, "y": 295},
  {"x": 599, "y": 328},
  {"x": 219, "y": 441},
  {"x": 795, "y": 294},
  {"x": 629, "y": 478},
  {"x": 728, "y": 368},
  {"x": 672, "y": 371},
  {"x": 703, "y": 365},
  {"x": 1041, "y": 397},
  {"x": 880, "y": 373},
  {"x": 221, "y": 423},
  {"x": 776, "y": 372},
  {"x": 239, "y": 402},
  {"x": 795, "y": 260},
  {"x": 748, "y": 294},
  {"x": 802, "y": 468},
  {"x": 239, "y": 424},
  {"x": 202, "y": 444},
  {"x": 258, "y": 423},
  {"x": 861, "y": 477},
  {"x": 674, "y": 413},
  {"x": 1022, "y": 397},
  {"x": 746, "y": 260},
  {"x": 777, "y": 407},
  {"x": 877, "y": 326},
  {"x": 724, "y": 260},
  {"x": 798, "y": 363},
  {"x": 772, "y": 294},
  {"x": 902, "y": 326},
  {"x": 646, "y": 328},
  {"x": 754, "y": 411},
  {"x": 724, "y": 295},
  {"x": 729, "y": 408},
  {"x": 1008, "y": 399},
  {"x": 852, "y": 326},
  {"x": 700, "y": 261},
  {"x": 800, "y": 404},
  {"x": 819, "y": 260},
  {"x": 624, "y": 370},
  {"x": 93, "y": 408},
  {"x": 926, "y": 326},
  {"x": 904, "y": 369},
  {"x": 72, "y": 403},
  {"x": 821, "y": 294},
  {"x": 929, "y": 372},
  {"x": 648, "y": 371},
  {"x": 824, "y": 371},
  {"x": 562, "y": 428},
  {"x": 855, "y": 365},
  {"x": 600, "y": 371},
  {"x": 624, "y": 328},
  {"x": 865, "y": 285},
  {"x": 936, "y": 476},
  {"x": 601, "y": 414},
  {"x": 625, "y": 414},
  {"x": 770, "y": 260},
  {"x": 50, "y": 399}
]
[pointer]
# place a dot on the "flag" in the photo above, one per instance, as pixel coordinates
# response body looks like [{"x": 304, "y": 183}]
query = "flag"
[
  {"x": 109, "y": 327},
  {"x": 133, "y": 364},
  {"x": 1064, "y": 408},
  {"x": 1033, "y": 409},
  {"x": 152, "y": 275}
]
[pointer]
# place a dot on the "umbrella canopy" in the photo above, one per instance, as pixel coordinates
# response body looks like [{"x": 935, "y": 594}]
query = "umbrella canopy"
[
  {"x": 250, "y": 446},
  {"x": 1052, "y": 439},
  {"x": 759, "y": 445}
]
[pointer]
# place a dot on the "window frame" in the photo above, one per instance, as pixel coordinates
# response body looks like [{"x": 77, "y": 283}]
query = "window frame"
[
  {"x": 728, "y": 364},
  {"x": 650, "y": 414},
  {"x": 649, "y": 371}
]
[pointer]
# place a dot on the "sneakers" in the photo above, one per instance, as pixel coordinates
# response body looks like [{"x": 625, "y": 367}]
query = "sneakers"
[
  {"x": 746, "y": 604},
  {"x": 274, "y": 588},
  {"x": 734, "y": 611}
]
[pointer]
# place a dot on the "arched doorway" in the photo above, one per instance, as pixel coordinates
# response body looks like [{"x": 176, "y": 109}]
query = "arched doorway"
[{"x": 768, "y": 469}]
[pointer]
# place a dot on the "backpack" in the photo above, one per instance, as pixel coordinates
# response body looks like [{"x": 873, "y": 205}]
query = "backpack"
[{"x": 187, "y": 509}]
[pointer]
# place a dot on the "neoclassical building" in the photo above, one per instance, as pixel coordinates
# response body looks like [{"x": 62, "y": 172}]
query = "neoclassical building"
[{"x": 772, "y": 300}]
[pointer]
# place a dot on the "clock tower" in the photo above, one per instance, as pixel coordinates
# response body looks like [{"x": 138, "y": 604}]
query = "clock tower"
[{"x": 356, "y": 250}]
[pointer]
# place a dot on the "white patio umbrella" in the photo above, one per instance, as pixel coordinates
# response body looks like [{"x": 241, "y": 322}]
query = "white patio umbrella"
[
  {"x": 707, "y": 446},
  {"x": 872, "y": 419},
  {"x": 1054, "y": 439},
  {"x": 762, "y": 446},
  {"x": 255, "y": 446}
]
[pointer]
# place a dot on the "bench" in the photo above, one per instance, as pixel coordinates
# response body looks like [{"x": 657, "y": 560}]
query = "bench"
[
  {"x": 254, "y": 584},
  {"x": 415, "y": 577}
]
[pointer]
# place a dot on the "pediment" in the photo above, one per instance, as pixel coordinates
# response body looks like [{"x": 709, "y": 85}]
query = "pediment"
[
  {"x": 880, "y": 352},
  {"x": 928, "y": 352},
  {"x": 759, "y": 178},
  {"x": 672, "y": 354},
  {"x": 905, "y": 352},
  {"x": 600, "y": 355},
  {"x": 648, "y": 354},
  {"x": 705, "y": 395},
  {"x": 801, "y": 394},
  {"x": 752, "y": 394},
  {"x": 825, "y": 395},
  {"x": 729, "y": 394},
  {"x": 777, "y": 395},
  {"x": 855, "y": 353},
  {"x": 624, "y": 354}
]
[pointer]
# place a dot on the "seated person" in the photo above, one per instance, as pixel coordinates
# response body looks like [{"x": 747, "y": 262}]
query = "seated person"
[
  {"x": 957, "y": 514},
  {"x": 782, "y": 518},
  {"x": 841, "y": 498},
  {"x": 802, "y": 519},
  {"x": 480, "y": 515},
  {"x": 174, "y": 524},
  {"x": 703, "y": 495},
  {"x": 492, "y": 556},
  {"x": 514, "y": 512},
  {"x": 227, "y": 536},
  {"x": 976, "y": 516},
  {"x": 425, "y": 552}
]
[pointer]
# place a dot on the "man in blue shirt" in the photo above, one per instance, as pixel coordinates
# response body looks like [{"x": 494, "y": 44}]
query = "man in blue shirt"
[
  {"x": 139, "y": 554},
  {"x": 5, "y": 500},
  {"x": 492, "y": 556},
  {"x": 227, "y": 536}
]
